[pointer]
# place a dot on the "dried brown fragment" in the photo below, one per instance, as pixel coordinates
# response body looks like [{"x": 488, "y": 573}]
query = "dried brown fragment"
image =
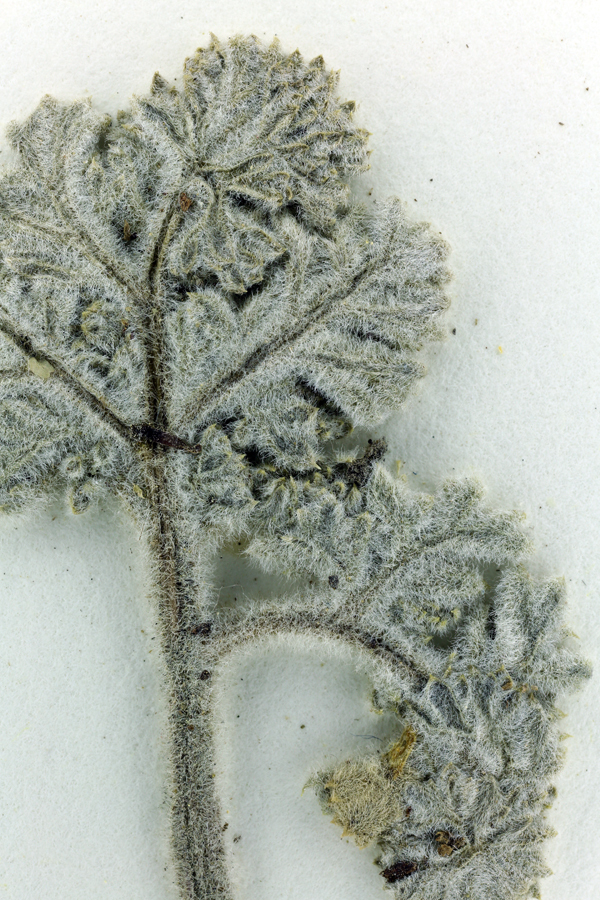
[
  {"x": 399, "y": 870},
  {"x": 398, "y": 754},
  {"x": 447, "y": 843},
  {"x": 184, "y": 201},
  {"x": 508, "y": 684},
  {"x": 126, "y": 232},
  {"x": 359, "y": 471}
]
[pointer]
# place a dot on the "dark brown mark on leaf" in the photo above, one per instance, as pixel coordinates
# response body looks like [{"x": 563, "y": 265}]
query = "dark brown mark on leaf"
[
  {"x": 360, "y": 470},
  {"x": 128, "y": 234},
  {"x": 400, "y": 870},
  {"x": 184, "y": 201},
  {"x": 447, "y": 843},
  {"x": 149, "y": 435}
]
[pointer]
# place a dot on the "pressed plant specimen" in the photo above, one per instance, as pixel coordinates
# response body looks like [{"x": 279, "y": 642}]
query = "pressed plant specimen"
[{"x": 194, "y": 314}]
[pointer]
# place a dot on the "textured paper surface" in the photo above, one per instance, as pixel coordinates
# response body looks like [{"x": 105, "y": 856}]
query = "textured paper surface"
[{"x": 486, "y": 120}]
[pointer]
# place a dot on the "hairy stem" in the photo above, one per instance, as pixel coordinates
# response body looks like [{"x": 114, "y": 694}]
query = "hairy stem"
[
  {"x": 193, "y": 648},
  {"x": 186, "y": 644}
]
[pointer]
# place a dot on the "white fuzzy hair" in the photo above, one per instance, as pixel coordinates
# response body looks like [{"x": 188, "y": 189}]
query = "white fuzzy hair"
[{"x": 193, "y": 313}]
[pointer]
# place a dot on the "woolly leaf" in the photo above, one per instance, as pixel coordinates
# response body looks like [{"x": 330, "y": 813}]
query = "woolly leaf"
[
  {"x": 306, "y": 337},
  {"x": 169, "y": 267},
  {"x": 269, "y": 127},
  {"x": 192, "y": 314}
]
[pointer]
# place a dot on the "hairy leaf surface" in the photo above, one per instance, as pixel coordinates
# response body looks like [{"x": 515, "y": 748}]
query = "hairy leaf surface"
[{"x": 193, "y": 313}]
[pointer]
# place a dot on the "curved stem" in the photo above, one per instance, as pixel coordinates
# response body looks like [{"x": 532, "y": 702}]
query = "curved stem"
[{"x": 193, "y": 649}]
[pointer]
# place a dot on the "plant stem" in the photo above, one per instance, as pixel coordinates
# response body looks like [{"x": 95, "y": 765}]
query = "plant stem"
[
  {"x": 186, "y": 644},
  {"x": 192, "y": 650}
]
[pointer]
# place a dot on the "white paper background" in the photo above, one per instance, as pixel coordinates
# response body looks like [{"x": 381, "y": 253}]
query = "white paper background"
[{"x": 464, "y": 101}]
